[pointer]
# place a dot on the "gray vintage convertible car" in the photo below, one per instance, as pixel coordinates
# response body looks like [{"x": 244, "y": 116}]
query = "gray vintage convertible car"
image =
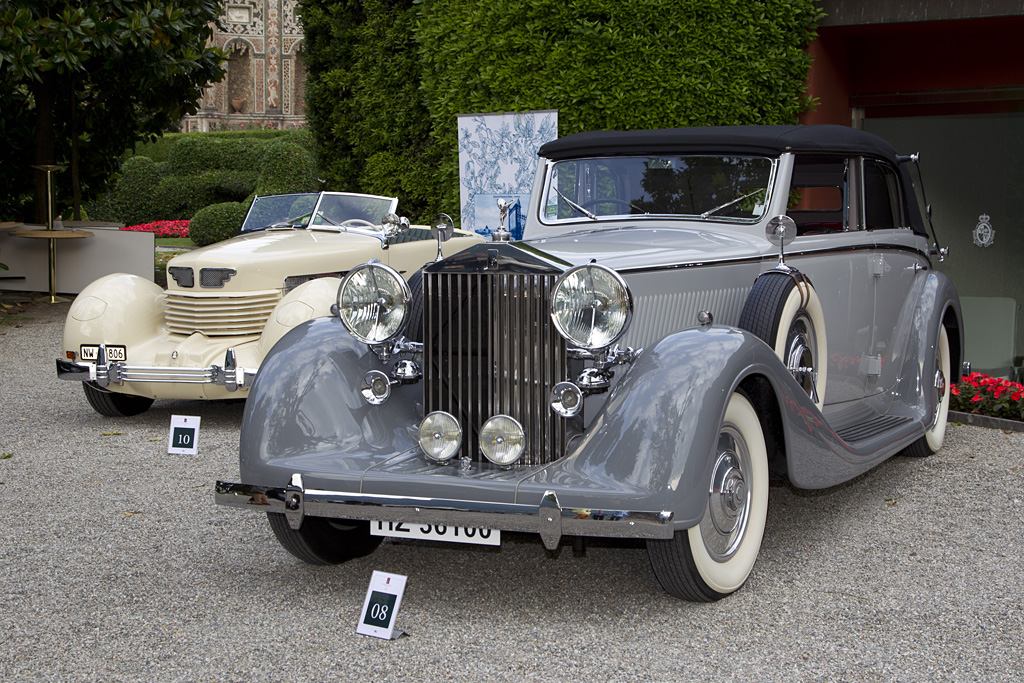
[{"x": 690, "y": 313}]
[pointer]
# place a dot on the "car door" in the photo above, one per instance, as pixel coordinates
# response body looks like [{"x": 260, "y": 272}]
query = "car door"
[
  {"x": 896, "y": 268},
  {"x": 834, "y": 252}
]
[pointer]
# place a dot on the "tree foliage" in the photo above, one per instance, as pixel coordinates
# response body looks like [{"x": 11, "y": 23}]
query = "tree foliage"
[
  {"x": 81, "y": 81},
  {"x": 387, "y": 78}
]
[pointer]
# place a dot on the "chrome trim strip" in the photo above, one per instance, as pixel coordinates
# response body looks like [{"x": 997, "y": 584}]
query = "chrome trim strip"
[
  {"x": 119, "y": 373},
  {"x": 774, "y": 257},
  {"x": 548, "y": 518}
]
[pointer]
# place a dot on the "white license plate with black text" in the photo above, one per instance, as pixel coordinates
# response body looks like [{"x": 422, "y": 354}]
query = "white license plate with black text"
[
  {"x": 436, "y": 532},
  {"x": 115, "y": 353}
]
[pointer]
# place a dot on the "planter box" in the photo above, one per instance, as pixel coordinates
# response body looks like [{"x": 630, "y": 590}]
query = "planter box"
[{"x": 986, "y": 421}]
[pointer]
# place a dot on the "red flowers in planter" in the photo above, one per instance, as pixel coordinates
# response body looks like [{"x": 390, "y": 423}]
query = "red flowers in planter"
[
  {"x": 985, "y": 395},
  {"x": 162, "y": 228}
]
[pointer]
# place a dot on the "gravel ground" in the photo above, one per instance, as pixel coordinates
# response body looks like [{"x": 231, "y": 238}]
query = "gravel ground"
[{"x": 117, "y": 566}]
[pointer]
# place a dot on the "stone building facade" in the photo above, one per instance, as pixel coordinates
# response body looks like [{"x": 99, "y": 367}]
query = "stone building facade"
[{"x": 265, "y": 82}]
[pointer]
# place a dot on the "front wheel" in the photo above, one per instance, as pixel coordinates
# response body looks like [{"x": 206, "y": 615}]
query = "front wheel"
[
  {"x": 113, "y": 404},
  {"x": 714, "y": 558},
  {"x": 324, "y": 541}
]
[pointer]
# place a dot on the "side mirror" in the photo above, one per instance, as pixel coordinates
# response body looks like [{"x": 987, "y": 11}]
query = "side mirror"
[{"x": 781, "y": 231}]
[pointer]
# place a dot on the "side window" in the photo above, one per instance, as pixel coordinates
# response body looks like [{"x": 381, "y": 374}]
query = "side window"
[
  {"x": 818, "y": 194},
  {"x": 881, "y": 197}
]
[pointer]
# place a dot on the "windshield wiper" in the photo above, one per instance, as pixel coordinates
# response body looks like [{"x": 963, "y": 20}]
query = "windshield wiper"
[
  {"x": 712, "y": 212},
  {"x": 574, "y": 205}
]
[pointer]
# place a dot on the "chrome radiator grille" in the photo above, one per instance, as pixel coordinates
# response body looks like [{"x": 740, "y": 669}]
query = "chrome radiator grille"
[
  {"x": 219, "y": 315},
  {"x": 489, "y": 349}
]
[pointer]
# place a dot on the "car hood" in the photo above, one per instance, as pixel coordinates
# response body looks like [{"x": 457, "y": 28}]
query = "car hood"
[
  {"x": 630, "y": 248},
  {"x": 262, "y": 260}
]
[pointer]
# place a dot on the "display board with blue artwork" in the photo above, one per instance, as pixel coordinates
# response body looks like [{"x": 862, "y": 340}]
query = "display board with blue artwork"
[{"x": 497, "y": 160}]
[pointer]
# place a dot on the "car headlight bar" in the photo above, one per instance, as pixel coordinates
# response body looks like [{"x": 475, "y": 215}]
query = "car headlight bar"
[{"x": 591, "y": 307}]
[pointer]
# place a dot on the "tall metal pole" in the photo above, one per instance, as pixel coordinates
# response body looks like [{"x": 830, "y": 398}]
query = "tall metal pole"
[{"x": 50, "y": 168}]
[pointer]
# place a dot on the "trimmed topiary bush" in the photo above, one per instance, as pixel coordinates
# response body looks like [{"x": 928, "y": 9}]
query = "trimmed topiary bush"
[
  {"x": 200, "y": 169},
  {"x": 287, "y": 166},
  {"x": 217, "y": 222},
  {"x": 133, "y": 201}
]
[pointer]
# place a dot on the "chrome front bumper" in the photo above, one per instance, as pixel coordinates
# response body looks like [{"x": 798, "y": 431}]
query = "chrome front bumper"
[
  {"x": 103, "y": 373},
  {"x": 548, "y": 518}
]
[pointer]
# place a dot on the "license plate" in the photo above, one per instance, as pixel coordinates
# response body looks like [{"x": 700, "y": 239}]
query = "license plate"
[
  {"x": 436, "y": 532},
  {"x": 115, "y": 353}
]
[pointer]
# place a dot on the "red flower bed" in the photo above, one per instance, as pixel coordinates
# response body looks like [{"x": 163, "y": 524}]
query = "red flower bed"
[
  {"x": 992, "y": 396},
  {"x": 162, "y": 228}
]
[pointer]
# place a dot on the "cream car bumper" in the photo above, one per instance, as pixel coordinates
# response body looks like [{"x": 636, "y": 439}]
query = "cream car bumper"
[{"x": 103, "y": 373}]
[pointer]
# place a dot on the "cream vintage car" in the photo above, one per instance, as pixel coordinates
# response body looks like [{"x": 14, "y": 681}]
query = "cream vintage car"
[{"x": 129, "y": 341}]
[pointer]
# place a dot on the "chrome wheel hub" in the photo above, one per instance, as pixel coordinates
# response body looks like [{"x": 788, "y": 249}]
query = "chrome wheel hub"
[
  {"x": 801, "y": 343},
  {"x": 728, "y": 509}
]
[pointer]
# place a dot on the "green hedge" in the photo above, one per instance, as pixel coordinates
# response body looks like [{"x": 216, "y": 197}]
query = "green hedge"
[
  {"x": 386, "y": 79},
  {"x": 217, "y": 222},
  {"x": 203, "y": 169}
]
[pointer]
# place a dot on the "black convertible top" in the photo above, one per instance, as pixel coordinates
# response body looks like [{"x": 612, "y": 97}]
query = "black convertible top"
[{"x": 770, "y": 140}]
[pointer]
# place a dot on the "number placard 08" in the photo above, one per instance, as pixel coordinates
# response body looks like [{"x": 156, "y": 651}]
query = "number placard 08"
[{"x": 383, "y": 597}]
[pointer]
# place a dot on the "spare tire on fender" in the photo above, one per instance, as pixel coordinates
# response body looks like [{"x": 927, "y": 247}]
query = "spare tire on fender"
[{"x": 783, "y": 310}]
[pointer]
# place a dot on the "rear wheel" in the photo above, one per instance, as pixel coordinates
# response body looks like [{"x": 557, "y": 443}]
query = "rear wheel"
[
  {"x": 324, "y": 541},
  {"x": 112, "y": 404},
  {"x": 931, "y": 442},
  {"x": 714, "y": 558}
]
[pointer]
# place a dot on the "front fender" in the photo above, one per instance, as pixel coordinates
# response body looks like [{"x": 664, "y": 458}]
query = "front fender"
[
  {"x": 309, "y": 300},
  {"x": 119, "y": 308},
  {"x": 655, "y": 437},
  {"x": 305, "y": 402}
]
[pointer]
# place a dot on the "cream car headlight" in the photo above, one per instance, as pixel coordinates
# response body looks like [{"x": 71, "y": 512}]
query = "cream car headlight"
[
  {"x": 591, "y": 306},
  {"x": 373, "y": 302},
  {"x": 440, "y": 436},
  {"x": 502, "y": 440}
]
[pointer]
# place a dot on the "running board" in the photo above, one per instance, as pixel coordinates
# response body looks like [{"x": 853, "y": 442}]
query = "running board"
[{"x": 871, "y": 428}]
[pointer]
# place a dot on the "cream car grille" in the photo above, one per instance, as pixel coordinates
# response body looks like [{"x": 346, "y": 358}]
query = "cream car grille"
[
  {"x": 490, "y": 348},
  {"x": 219, "y": 315}
]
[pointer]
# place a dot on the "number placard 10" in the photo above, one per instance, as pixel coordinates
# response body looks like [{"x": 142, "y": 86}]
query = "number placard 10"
[
  {"x": 383, "y": 598},
  {"x": 184, "y": 437}
]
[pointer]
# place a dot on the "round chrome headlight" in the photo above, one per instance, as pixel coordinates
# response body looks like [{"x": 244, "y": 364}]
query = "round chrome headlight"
[
  {"x": 502, "y": 440},
  {"x": 373, "y": 301},
  {"x": 591, "y": 306},
  {"x": 440, "y": 436}
]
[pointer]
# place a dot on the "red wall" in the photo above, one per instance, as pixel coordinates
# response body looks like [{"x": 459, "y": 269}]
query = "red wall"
[{"x": 918, "y": 69}]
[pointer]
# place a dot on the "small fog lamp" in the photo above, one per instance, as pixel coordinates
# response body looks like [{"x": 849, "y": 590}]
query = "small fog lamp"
[
  {"x": 376, "y": 387},
  {"x": 566, "y": 399},
  {"x": 502, "y": 440},
  {"x": 440, "y": 436}
]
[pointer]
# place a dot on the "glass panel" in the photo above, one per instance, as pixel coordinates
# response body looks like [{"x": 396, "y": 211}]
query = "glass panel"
[
  {"x": 818, "y": 194},
  {"x": 703, "y": 186},
  {"x": 881, "y": 197}
]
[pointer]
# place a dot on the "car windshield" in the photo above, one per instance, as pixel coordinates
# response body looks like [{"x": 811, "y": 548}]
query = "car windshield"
[
  {"x": 730, "y": 187},
  {"x": 327, "y": 209}
]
